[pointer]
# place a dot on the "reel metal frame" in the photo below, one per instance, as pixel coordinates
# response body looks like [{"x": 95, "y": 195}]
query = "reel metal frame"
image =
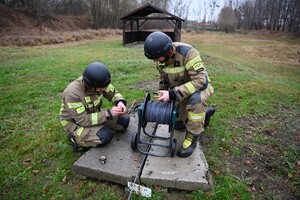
[{"x": 136, "y": 140}]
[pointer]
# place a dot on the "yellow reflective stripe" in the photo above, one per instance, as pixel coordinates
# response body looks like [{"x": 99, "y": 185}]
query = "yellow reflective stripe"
[
  {"x": 208, "y": 79},
  {"x": 64, "y": 122},
  {"x": 192, "y": 62},
  {"x": 79, "y": 131},
  {"x": 110, "y": 88},
  {"x": 196, "y": 117},
  {"x": 173, "y": 70},
  {"x": 190, "y": 87},
  {"x": 186, "y": 143},
  {"x": 94, "y": 118},
  {"x": 198, "y": 66},
  {"x": 73, "y": 140},
  {"x": 75, "y": 105},
  {"x": 80, "y": 110},
  {"x": 97, "y": 102},
  {"x": 117, "y": 96},
  {"x": 87, "y": 99},
  {"x": 161, "y": 64}
]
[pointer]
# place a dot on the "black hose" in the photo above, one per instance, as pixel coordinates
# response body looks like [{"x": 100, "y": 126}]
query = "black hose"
[{"x": 159, "y": 112}]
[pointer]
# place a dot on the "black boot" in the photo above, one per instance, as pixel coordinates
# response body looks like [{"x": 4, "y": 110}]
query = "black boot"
[
  {"x": 76, "y": 148},
  {"x": 208, "y": 113},
  {"x": 188, "y": 146}
]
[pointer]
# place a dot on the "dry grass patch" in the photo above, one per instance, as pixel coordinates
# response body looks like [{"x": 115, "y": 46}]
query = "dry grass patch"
[
  {"x": 281, "y": 53},
  {"x": 267, "y": 48},
  {"x": 219, "y": 38},
  {"x": 49, "y": 37}
]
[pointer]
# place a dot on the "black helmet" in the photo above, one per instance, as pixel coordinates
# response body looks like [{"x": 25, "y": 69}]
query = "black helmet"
[
  {"x": 157, "y": 44},
  {"x": 96, "y": 75}
]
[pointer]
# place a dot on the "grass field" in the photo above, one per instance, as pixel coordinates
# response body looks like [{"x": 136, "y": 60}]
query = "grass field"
[{"x": 252, "y": 144}]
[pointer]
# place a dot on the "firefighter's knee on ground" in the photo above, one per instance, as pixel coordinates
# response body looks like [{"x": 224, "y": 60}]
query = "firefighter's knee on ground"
[
  {"x": 105, "y": 135},
  {"x": 123, "y": 121}
]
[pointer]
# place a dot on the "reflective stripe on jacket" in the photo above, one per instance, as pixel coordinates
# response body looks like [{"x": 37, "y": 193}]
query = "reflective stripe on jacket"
[
  {"x": 184, "y": 70},
  {"x": 83, "y": 107}
]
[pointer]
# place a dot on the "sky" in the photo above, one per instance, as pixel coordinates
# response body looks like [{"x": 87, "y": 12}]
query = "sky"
[{"x": 199, "y": 8}]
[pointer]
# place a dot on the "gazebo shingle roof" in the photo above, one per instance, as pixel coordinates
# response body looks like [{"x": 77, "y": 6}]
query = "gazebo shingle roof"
[{"x": 147, "y": 10}]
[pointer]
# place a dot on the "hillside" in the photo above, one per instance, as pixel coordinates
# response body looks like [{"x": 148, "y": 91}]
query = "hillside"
[{"x": 21, "y": 28}]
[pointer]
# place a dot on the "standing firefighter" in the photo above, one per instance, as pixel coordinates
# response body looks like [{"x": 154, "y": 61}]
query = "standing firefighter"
[
  {"x": 184, "y": 80},
  {"x": 81, "y": 115}
]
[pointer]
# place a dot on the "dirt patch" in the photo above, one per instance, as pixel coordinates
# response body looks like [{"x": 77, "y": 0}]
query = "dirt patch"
[
  {"x": 147, "y": 86},
  {"x": 269, "y": 154}
]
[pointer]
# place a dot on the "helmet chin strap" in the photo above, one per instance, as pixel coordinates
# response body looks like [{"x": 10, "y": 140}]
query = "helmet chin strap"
[
  {"x": 169, "y": 55},
  {"x": 86, "y": 86}
]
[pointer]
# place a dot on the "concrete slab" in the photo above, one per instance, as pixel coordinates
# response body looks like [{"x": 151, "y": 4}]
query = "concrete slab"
[
  {"x": 174, "y": 172},
  {"x": 123, "y": 163}
]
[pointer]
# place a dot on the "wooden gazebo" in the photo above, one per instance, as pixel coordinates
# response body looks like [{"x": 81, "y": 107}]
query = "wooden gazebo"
[{"x": 133, "y": 21}]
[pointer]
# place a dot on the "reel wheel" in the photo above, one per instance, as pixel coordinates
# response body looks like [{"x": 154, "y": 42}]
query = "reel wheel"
[
  {"x": 173, "y": 147},
  {"x": 133, "y": 143},
  {"x": 144, "y": 110}
]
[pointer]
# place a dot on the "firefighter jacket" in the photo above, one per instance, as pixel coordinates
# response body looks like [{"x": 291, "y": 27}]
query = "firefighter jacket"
[
  {"x": 82, "y": 107},
  {"x": 183, "y": 73}
]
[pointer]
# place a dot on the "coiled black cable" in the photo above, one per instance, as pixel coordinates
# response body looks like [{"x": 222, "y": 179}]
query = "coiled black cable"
[{"x": 159, "y": 112}]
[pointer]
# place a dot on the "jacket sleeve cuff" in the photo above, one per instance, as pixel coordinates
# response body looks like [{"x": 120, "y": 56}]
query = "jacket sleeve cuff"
[
  {"x": 123, "y": 100},
  {"x": 172, "y": 94},
  {"x": 109, "y": 116}
]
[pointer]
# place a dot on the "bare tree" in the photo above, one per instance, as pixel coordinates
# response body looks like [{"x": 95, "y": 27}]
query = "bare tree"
[
  {"x": 276, "y": 15},
  {"x": 205, "y": 11},
  {"x": 273, "y": 15},
  {"x": 72, "y": 7},
  {"x": 163, "y": 4},
  {"x": 106, "y": 13},
  {"x": 293, "y": 20},
  {"x": 38, "y": 8},
  {"x": 213, "y": 7},
  {"x": 180, "y": 8},
  {"x": 236, "y": 6},
  {"x": 42, "y": 8},
  {"x": 227, "y": 19}
]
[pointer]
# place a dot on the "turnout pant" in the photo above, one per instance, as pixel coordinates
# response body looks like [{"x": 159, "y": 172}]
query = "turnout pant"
[
  {"x": 192, "y": 110},
  {"x": 97, "y": 135}
]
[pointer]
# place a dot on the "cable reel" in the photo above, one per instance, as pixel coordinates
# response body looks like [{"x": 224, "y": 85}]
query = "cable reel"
[{"x": 158, "y": 113}]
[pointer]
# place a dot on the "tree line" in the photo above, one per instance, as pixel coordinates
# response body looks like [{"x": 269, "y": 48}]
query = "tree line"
[
  {"x": 275, "y": 15},
  {"x": 100, "y": 13}
]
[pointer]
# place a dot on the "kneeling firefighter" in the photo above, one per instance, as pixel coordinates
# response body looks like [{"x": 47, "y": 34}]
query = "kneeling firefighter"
[
  {"x": 81, "y": 115},
  {"x": 183, "y": 79}
]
